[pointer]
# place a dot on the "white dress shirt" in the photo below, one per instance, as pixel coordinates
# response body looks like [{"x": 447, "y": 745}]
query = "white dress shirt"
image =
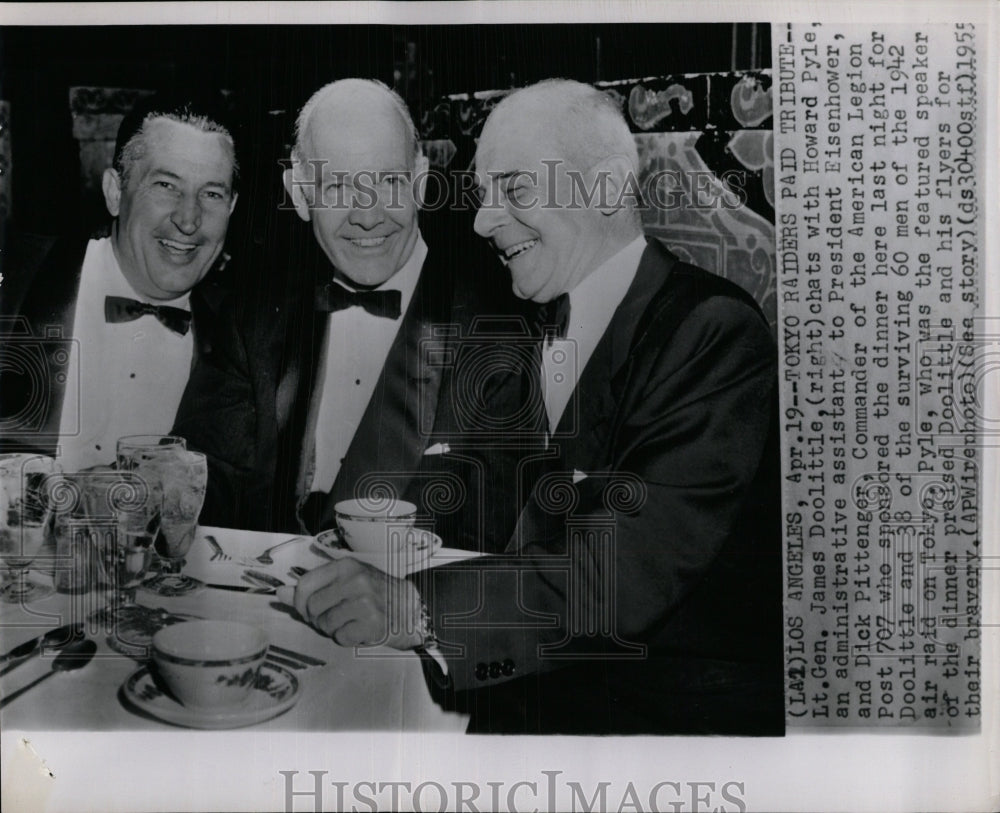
[
  {"x": 357, "y": 344},
  {"x": 592, "y": 304},
  {"x": 123, "y": 379}
]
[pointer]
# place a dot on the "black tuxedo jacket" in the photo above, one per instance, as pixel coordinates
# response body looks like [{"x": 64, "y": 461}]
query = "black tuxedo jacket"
[
  {"x": 646, "y": 596},
  {"x": 36, "y": 328},
  {"x": 247, "y": 404}
]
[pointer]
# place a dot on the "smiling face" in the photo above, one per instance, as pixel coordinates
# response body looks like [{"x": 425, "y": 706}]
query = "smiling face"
[
  {"x": 173, "y": 212},
  {"x": 531, "y": 212},
  {"x": 364, "y": 211}
]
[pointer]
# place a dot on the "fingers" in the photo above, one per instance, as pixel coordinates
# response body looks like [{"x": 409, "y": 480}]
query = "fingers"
[
  {"x": 353, "y": 622},
  {"x": 352, "y": 602},
  {"x": 322, "y": 577},
  {"x": 353, "y": 634},
  {"x": 344, "y": 590},
  {"x": 340, "y": 594}
]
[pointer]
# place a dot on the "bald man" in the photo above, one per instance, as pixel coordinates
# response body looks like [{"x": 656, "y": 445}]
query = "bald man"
[
  {"x": 323, "y": 390},
  {"x": 641, "y": 590}
]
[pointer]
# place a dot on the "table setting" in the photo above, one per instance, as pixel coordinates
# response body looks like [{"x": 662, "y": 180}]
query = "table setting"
[{"x": 114, "y": 624}]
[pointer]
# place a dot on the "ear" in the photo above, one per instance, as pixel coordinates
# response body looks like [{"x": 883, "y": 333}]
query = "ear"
[
  {"x": 617, "y": 170},
  {"x": 111, "y": 185},
  {"x": 420, "y": 170},
  {"x": 232, "y": 206},
  {"x": 294, "y": 189}
]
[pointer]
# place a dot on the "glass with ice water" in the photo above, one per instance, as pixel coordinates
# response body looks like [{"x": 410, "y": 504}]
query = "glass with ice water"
[
  {"x": 137, "y": 511},
  {"x": 181, "y": 478},
  {"x": 25, "y": 522}
]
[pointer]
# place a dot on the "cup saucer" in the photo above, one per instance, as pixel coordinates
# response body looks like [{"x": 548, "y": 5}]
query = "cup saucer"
[
  {"x": 275, "y": 691},
  {"x": 408, "y": 559}
]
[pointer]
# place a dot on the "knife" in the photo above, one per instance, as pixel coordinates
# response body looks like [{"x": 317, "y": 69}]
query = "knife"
[
  {"x": 263, "y": 578},
  {"x": 244, "y": 588},
  {"x": 300, "y": 656},
  {"x": 282, "y": 661}
]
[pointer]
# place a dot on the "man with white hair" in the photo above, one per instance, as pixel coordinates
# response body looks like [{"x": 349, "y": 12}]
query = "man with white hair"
[
  {"x": 323, "y": 389},
  {"x": 641, "y": 589}
]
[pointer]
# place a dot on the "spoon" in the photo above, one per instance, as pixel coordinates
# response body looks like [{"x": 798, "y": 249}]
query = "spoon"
[
  {"x": 55, "y": 638},
  {"x": 74, "y": 656}
]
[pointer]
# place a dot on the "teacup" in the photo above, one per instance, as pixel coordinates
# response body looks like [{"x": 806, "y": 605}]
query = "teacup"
[
  {"x": 209, "y": 664},
  {"x": 417, "y": 540},
  {"x": 374, "y": 525}
]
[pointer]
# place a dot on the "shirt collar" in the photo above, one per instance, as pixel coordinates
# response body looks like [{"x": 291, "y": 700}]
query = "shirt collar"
[{"x": 594, "y": 300}]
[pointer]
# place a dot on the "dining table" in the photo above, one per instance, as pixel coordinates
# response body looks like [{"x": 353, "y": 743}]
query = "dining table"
[{"x": 325, "y": 686}]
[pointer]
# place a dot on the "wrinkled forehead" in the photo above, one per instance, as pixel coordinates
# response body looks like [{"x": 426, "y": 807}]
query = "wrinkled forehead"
[{"x": 512, "y": 143}]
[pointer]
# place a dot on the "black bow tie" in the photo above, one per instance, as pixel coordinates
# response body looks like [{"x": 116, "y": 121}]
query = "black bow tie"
[
  {"x": 335, "y": 297},
  {"x": 553, "y": 318},
  {"x": 122, "y": 309}
]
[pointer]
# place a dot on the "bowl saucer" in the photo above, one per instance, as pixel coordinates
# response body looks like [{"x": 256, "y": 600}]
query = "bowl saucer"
[{"x": 275, "y": 691}]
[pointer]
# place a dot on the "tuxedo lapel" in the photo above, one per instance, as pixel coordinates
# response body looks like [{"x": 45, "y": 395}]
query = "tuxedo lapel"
[
  {"x": 301, "y": 372},
  {"x": 389, "y": 443},
  {"x": 203, "y": 314},
  {"x": 389, "y": 438},
  {"x": 584, "y": 432},
  {"x": 632, "y": 318}
]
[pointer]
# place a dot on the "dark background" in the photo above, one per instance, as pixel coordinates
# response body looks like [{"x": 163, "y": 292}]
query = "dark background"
[{"x": 272, "y": 70}]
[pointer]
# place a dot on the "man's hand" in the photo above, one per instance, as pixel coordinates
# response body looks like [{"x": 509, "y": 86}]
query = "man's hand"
[{"x": 358, "y": 605}]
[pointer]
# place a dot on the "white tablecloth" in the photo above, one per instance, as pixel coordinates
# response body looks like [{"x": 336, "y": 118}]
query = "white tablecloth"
[{"x": 372, "y": 689}]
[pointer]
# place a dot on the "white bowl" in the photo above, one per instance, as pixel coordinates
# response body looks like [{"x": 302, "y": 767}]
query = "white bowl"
[
  {"x": 209, "y": 664},
  {"x": 374, "y": 525}
]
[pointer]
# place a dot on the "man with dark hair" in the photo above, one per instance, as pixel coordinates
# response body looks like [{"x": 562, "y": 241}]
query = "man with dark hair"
[
  {"x": 114, "y": 323},
  {"x": 640, "y": 592}
]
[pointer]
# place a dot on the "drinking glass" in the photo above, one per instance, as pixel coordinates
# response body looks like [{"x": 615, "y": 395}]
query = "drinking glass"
[
  {"x": 183, "y": 477},
  {"x": 135, "y": 509},
  {"x": 130, "y": 449},
  {"x": 25, "y": 522},
  {"x": 137, "y": 521}
]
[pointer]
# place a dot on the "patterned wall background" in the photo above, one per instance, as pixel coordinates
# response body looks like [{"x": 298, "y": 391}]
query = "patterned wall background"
[
  {"x": 709, "y": 133},
  {"x": 96, "y": 113}
]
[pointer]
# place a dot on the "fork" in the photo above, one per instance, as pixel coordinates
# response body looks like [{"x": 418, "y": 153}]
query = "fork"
[
  {"x": 219, "y": 555},
  {"x": 265, "y": 557}
]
